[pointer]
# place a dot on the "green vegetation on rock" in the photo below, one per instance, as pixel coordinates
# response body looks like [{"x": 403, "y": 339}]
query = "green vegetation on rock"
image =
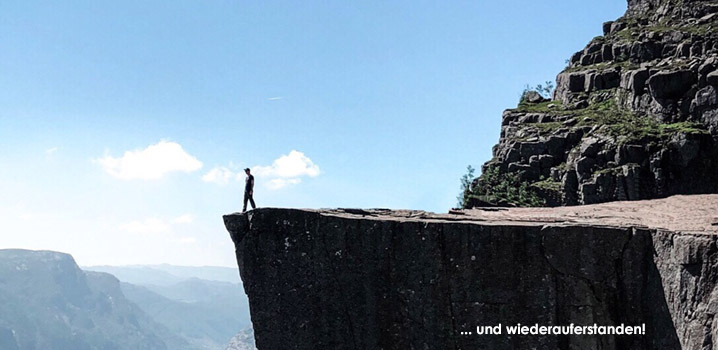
[{"x": 504, "y": 189}]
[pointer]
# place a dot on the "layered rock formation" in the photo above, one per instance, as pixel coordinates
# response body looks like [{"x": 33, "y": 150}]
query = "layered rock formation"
[
  {"x": 634, "y": 116},
  {"x": 377, "y": 279}
]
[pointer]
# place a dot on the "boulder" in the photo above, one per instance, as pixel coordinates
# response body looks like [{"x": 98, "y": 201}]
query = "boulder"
[
  {"x": 671, "y": 84},
  {"x": 706, "y": 97},
  {"x": 533, "y": 97},
  {"x": 589, "y": 147},
  {"x": 635, "y": 81},
  {"x": 584, "y": 167},
  {"x": 631, "y": 154},
  {"x": 712, "y": 78}
]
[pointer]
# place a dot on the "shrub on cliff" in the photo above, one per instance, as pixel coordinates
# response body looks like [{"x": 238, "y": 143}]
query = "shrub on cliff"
[
  {"x": 495, "y": 188},
  {"x": 465, "y": 186}
]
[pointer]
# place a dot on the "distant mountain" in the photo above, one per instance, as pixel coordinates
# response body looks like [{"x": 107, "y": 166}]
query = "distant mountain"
[
  {"x": 47, "y": 302},
  {"x": 209, "y": 273},
  {"x": 165, "y": 275},
  {"x": 141, "y": 275},
  {"x": 205, "y": 313},
  {"x": 204, "y": 305}
]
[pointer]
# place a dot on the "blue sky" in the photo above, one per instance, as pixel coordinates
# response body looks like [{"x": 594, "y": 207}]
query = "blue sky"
[{"x": 124, "y": 124}]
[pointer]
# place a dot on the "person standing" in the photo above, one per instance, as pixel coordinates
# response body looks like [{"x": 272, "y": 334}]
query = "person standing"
[{"x": 248, "y": 190}]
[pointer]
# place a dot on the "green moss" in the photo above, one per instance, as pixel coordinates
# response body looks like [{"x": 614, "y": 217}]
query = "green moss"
[
  {"x": 542, "y": 107},
  {"x": 628, "y": 126},
  {"x": 548, "y": 185},
  {"x": 683, "y": 128},
  {"x": 547, "y": 128},
  {"x": 612, "y": 171},
  {"x": 622, "y": 64}
]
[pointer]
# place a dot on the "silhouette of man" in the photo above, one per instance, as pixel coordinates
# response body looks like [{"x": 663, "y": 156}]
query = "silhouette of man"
[{"x": 248, "y": 190}]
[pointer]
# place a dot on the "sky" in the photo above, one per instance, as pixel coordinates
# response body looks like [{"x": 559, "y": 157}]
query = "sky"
[{"x": 125, "y": 125}]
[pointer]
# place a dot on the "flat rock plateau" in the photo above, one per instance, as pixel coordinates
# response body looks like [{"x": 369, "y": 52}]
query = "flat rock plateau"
[{"x": 400, "y": 279}]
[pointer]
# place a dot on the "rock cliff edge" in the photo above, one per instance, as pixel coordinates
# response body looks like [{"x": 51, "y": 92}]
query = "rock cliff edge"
[{"x": 379, "y": 279}]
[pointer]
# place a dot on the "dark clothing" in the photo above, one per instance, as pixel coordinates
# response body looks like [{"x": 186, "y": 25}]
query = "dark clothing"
[
  {"x": 248, "y": 192},
  {"x": 248, "y": 197},
  {"x": 249, "y": 183}
]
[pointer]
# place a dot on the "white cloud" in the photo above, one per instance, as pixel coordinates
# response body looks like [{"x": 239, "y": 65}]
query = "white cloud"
[
  {"x": 218, "y": 175},
  {"x": 150, "y": 163},
  {"x": 146, "y": 226},
  {"x": 294, "y": 164},
  {"x": 50, "y": 151},
  {"x": 187, "y": 240},
  {"x": 287, "y": 170},
  {"x": 275, "y": 184},
  {"x": 156, "y": 225},
  {"x": 184, "y": 219},
  {"x": 276, "y": 98}
]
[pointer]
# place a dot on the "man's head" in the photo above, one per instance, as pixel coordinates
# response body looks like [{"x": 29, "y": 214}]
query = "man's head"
[{"x": 246, "y": 171}]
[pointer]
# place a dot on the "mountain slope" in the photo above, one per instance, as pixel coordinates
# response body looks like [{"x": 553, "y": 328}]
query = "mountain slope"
[
  {"x": 634, "y": 116},
  {"x": 47, "y": 302},
  {"x": 208, "y": 319}
]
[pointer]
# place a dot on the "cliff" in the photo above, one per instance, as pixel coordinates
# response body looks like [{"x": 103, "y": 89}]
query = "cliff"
[
  {"x": 379, "y": 279},
  {"x": 634, "y": 116}
]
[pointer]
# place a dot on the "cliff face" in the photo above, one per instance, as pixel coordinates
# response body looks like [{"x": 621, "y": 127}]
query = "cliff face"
[
  {"x": 354, "y": 279},
  {"x": 634, "y": 116}
]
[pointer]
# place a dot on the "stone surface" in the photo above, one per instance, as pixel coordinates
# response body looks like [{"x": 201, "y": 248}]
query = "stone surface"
[{"x": 380, "y": 279}]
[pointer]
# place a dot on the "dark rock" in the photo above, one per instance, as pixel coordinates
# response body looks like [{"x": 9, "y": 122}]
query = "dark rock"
[
  {"x": 576, "y": 82},
  {"x": 671, "y": 84},
  {"x": 712, "y": 78},
  {"x": 301, "y": 269},
  {"x": 683, "y": 50},
  {"x": 686, "y": 146},
  {"x": 631, "y": 154},
  {"x": 584, "y": 167},
  {"x": 590, "y": 147},
  {"x": 593, "y": 47},
  {"x": 607, "y": 27},
  {"x": 668, "y": 51},
  {"x": 696, "y": 49},
  {"x": 576, "y": 57},
  {"x": 644, "y": 51},
  {"x": 529, "y": 149},
  {"x": 619, "y": 53},
  {"x": 617, "y": 27},
  {"x": 635, "y": 81},
  {"x": 546, "y": 161},
  {"x": 705, "y": 98},
  {"x": 631, "y": 181},
  {"x": 607, "y": 53}
]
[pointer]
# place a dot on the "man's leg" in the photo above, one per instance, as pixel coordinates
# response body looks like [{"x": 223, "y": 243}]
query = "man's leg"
[
  {"x": 246, "y": 197},
  {"x": 251, "y": 201}
]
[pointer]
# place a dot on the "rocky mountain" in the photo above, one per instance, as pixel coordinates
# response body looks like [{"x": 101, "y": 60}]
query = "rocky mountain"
[
  {"x": 381, "y": 279},
  {"x": 205, "y": 313},
  {"x": 204, "y": 305},
  {"x": 47, "y": 302},
  {"x": 634, "y": 116},
  {"x": 167, "y": 275}
]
